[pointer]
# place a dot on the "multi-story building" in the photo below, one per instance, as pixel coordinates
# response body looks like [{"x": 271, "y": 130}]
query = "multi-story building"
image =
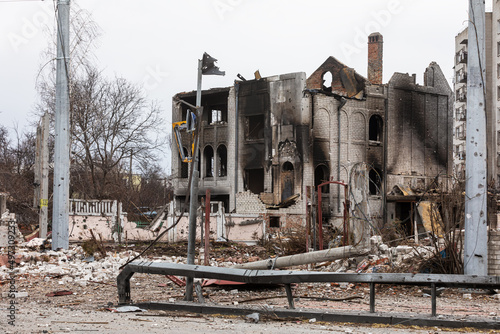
[
  {"x": 267, "y": 143},
  {"x": 492, "y": 85}
]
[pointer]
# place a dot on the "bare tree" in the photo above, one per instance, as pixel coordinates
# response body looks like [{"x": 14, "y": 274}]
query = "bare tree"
[
  {"x": 16, "y": 173},
  {"x": 112, "y": 122}
]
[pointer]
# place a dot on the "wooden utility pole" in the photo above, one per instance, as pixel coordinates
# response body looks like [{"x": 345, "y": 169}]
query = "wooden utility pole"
[{"x": 476, "y": 183}]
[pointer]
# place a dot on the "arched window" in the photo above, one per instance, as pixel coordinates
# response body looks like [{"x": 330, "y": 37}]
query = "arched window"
[
  {"x": 208, "y": 156},
  {"x": 375, "y": 182},
  {"x": 321, "y": 174},
  {"x": 221, "y": 161},
  {"x": 375, "y": 128},
  {"x": 288, "y": 166}
]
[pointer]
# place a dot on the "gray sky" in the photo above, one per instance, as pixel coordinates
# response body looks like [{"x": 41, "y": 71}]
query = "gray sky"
[{"x": 156, "y": 43}]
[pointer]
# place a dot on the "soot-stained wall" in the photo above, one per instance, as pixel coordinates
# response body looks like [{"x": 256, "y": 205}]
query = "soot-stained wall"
[{"x": 419, "y": 126}]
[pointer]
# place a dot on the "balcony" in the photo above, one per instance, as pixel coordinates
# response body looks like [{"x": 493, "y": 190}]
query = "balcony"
[
  {"x": 461, "y": 95},
  {"x": 461, "y": 57},
  {"x": 461, "y": 133},
  {"x": 460, "y": 114},
  {"x": 461, "y": 76}
]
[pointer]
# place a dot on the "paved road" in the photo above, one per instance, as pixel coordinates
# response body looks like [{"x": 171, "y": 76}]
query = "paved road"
[{"x": 39, "y": 318}]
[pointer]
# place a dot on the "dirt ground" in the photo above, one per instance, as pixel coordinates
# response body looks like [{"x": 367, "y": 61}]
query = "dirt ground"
[{"x": 89, "y": 300}]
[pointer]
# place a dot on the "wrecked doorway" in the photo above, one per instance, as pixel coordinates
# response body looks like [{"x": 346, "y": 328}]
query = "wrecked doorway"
[
  {"x": 404, "y": 218},
  {"x": 254, "y": 180},
  {"x": 287, "y": 177}
]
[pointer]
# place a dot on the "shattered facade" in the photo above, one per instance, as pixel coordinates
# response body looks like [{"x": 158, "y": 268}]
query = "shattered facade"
[{"x": 266, "y": 144}]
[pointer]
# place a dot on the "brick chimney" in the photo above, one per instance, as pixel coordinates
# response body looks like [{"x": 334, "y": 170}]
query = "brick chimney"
[{"x": 375, "y": 58}]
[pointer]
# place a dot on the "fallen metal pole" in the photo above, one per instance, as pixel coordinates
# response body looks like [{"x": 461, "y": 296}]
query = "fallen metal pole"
[
  {"x": 305, "y": 258},
  {"x": 287, "y": 277}
]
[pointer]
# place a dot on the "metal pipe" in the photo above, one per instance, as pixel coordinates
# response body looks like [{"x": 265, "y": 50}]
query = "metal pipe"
[
  {"x": 236, "y": 141},
  {"x": 207, "y": 227},
  {"x": 305, "y": 258},
  {"x": 345, "y": 240},
  {"x": 372, "y": 297},
  {"x": 320, "y": 219},
  {"x": 342, "y": 103}
]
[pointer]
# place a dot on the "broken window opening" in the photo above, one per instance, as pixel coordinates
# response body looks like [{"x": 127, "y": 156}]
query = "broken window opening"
[
  {"x": 216, "y": 114},
  {"x": 184, "y": 165},
  {"x": 274, "y": 222},
  {"x": 254, "y": 180},
  {"x": 375, "y": 128},
  {"x": 209, "y": 161},
  {"x": 255, "y": 127},
  {"x": 221, "y": 161},
  {"x": 327, "y": 78},
  {"x": 287, "y": 178},
  {"x": 321, "y": 174},
  {"x": 375, "y": 182}
]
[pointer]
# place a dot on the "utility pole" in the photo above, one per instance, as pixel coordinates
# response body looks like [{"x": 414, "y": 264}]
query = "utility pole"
[
  {"x": 60, "y": 214},
  {"x": 42, "y": 174},
  {"x": 476, "y": 183},
  {"x": 193, "y": 199},
  {"x": 205, "y": 66}
]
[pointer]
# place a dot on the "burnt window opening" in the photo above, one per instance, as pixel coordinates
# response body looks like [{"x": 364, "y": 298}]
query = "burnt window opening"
[
  {"x": 321, "y": 174},
  {"x": 254, "y": 180},
  {"x": 375, "y": 128},
  {"x": 375, "y": 182},
  {"x": 288, "y": 167},
  {"x": 221, "y": 161},
  {"x": 274, "y": 222},
  {"x": 184, "y": 114},
  {"x": 184, "y": 165},
  {"x": 255, "y": 127},
  {"x": 327, "y": 78},
  {"x": 208, "y": 155},
  {"x": 217, "y": 114},
  {"x": 287, "y": 178}
]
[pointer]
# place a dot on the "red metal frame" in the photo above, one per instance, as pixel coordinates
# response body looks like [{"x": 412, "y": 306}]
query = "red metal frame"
[{"x": 207, "y": 227}]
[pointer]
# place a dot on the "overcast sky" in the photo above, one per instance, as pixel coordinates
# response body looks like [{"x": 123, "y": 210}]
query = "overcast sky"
[{"x": 156, "y": 43}]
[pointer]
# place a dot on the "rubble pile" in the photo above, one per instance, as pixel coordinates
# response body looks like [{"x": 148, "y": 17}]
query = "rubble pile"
[
  {"x": 382, "y": 259},
  {"x": 71, "y": 265}
]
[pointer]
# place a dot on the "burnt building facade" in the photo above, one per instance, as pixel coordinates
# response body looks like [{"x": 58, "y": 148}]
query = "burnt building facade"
[{"x": 266, "y": 144}]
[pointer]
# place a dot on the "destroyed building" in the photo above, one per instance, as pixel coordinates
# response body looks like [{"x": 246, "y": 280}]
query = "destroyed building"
[{"x": 267, "y": 143}]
